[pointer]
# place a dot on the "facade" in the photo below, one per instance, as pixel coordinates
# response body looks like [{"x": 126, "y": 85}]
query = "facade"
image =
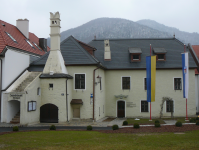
[
  {"x": 103, "y": 78},
  {"x": 195, "y": 49},
  {"x": 18, "y": 48}
]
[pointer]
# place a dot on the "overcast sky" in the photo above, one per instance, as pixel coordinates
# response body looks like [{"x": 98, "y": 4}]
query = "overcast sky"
[{"x": 182, "y": 14}]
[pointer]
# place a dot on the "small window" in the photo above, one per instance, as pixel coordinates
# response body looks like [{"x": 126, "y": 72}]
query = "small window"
[
  {"x": 11, "y": 36},
  {"x": 177, "y": 84},
  {"x": 32, "y": 105},
  {"x": 38, "y": 91},
  {"x": 145, "y": 86},
  {"x": 106, "y": 44},
  {"x": 79, "y": 81},
  {"x": 51, "y": 86},
  {"x": 144, "y": 106},
  {"x": 135, "y": 57},
  {"x": 29, "y": 43},
  {"x": 125, "y": 83},
  {"x": 169, "y": 106},
  {"x": 161, "y": 57}
]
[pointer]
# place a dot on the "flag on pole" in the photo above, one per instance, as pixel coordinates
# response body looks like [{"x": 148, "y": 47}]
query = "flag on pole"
[
  {"x": 185, "y": 74},
  {"x": 150, "y": 77}
]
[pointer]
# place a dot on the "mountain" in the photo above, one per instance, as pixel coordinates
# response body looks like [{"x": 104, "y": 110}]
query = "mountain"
[
  {"x": 185, "y": 37},
  {"x": 122, "y": 28}
]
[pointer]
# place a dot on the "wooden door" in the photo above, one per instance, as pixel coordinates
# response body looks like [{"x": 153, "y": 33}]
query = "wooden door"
[
  {"x": 49, "y": 113},
  {"x": 120, "y": 109},
  {"x": 76, "y": 113}
]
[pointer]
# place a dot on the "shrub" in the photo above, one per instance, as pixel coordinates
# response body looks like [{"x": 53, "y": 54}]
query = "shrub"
[
  {"x": 197, "y": 122},
  {"x": 192, "y": 120},
  {"x": 157, "y": 121},
  {"x": 197, "y": 118},
  {"x": 157, "y": 124},
  {"x": 15, "y": 128},
  {"x": 89, "y": 127},
  {"x": 115, "y": 127},
  {"x": 136, "y": 125},
  {"x": 125, "y": 123},
  {"x": 52, "y": 127},
  {"x": 178, "y": 124}
]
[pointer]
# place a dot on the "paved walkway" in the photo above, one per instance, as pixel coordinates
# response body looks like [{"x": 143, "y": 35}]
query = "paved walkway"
[{"x": 84, "y": 123}]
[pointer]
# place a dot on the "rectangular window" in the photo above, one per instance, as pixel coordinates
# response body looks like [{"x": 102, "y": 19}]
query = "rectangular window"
[
  {"x": 32, "y": 105},
  {"x": 79, "y": 81},
  {"x": 135, "y": 57},
  {"x": 144, "y": 106},
  {"x": 38, "y": 91},
  {"x": 125, "y": 83},
  {"x": 169, "y": 106},
  {"x": 177, "y": 84},
  {"x": 161, "y": 57},
  {"x": 51, "y": 86},
  {"x": 145, "y": 87},
  {"x": 100, "y": 84}
]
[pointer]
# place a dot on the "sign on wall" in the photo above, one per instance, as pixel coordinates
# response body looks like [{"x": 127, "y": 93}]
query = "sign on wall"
[
  {"x": 32, "y": 105},
  {"x": 130, "y": 104},
  {"x": 16, "y": 96}
]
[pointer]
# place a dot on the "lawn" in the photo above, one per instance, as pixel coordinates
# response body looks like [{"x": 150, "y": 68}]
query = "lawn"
[{"x": 92, "y": 140}]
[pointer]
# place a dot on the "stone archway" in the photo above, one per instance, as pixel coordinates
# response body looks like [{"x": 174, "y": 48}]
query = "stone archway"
[{"x": 49, "y": 113}]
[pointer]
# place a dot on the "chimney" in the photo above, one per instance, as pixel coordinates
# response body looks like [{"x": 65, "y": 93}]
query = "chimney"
[
  {"x": 43, "y": 44},
  {"x": 55, "y": 62},
  {"x": 23, "y": 26},
  {"x": 107, "y": 51}
]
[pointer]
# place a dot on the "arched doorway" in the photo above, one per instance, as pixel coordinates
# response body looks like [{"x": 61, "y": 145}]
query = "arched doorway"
[
  {"x": 49, "y": 113},
  {"x": 120, "y": 109}
]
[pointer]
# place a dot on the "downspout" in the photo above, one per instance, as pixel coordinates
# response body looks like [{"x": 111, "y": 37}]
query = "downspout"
[
  {"x": 94, "y": 92},
  {"x": 0, "y": 88},
  {"x": 67, "y": 99}
]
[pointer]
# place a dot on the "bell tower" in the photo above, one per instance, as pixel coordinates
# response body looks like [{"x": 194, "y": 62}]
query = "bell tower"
[{"x": 55, "y": 62}]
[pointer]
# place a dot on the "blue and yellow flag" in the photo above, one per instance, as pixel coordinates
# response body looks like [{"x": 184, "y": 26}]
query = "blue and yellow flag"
[{"x": 150, "y": 77}]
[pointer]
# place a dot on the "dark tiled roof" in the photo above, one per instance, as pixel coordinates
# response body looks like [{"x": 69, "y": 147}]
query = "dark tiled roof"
[
  {"x": 21, "y": 44},
  {"x": 72, "y": 53},
  {"x": 135, "y": 50},
  {"x": 76, "y": 101},
  {"x": 120, "y": 57}
]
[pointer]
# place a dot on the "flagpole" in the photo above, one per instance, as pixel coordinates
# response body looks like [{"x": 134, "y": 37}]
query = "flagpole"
[
  {"x": 150, "y": 101},
  {"x": 186, "y": 98}
]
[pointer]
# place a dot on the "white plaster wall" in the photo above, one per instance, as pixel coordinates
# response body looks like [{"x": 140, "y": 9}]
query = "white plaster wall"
[
  {"x": 53, "y": 96},
  {"x": 69, "y": 91},
  {"x": 29, "y": 117},
  {"x": 164, "y": 87},
  {"x": 197, "y": 92},
  {"x": 13, "y": 108},
  {"x": 100, "y": 95},
  {"x": 86, "y": 110},
  {"x": 13, "y": 64}
]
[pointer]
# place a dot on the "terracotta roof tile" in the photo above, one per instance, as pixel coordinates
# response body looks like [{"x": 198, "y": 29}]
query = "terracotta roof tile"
[
  {"x": 196, "y": 49},
  {"x": 21, "y": 43}
]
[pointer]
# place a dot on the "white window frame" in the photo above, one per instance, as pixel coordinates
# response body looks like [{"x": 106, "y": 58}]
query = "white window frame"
[
  {"x": 74, "y": 82},
  {"x": 122, "y": 84},
  {"x": 141, "y": 105},
  {"x": 38, "y": 91},
  {"x": 181, "y": 84}
]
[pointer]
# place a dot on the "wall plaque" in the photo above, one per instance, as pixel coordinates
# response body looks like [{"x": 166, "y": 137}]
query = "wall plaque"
[
  {"x": 16, "y": 96},
  {"x": 130, "y": 104}
]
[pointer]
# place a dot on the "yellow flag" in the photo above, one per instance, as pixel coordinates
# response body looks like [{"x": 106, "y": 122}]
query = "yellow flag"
[{"x": 153, "y": 77}]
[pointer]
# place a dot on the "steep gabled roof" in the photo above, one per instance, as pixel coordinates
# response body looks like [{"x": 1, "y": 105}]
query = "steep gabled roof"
[
  {"x": 72, "y": 52},
  {"x": 120, "y": 57},
  {"x": 21, "y": 42}
]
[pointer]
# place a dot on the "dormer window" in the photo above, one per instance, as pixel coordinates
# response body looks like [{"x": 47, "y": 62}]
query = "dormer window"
[
  {"x": 11, "y": 36},
  {"x": 29, "y": 43},
  {"x": 135, "y": 54},
  {"x": 161, "y": 54}
]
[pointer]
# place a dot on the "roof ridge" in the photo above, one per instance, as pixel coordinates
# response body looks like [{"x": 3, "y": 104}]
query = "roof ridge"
[{"x": 117, "y": 39}]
